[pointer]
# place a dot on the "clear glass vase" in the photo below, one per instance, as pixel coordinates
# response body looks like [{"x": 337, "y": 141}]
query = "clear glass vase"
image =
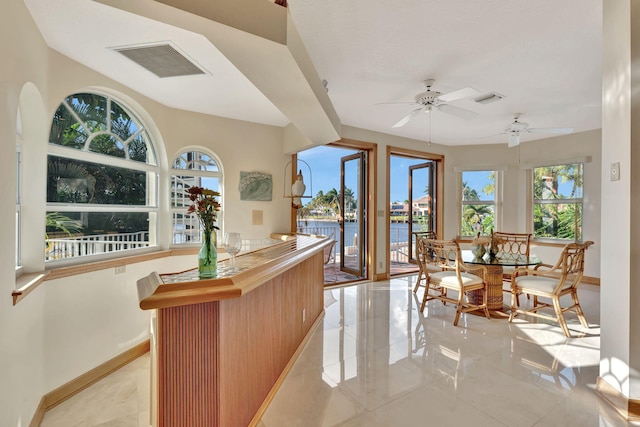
[{"x": 208, "y": 255}]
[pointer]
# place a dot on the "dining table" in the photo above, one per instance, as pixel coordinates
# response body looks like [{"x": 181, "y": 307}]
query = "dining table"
[{"x": 495, "y": 269}]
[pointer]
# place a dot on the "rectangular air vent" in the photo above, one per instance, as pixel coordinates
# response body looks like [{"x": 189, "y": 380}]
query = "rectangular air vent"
[
  {"x": 163, "y": 60},
  {"x": 488, "y": 98}
]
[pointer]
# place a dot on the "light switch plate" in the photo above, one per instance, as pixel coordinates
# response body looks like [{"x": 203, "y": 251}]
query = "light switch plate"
[{"x": 615, "y": 171}]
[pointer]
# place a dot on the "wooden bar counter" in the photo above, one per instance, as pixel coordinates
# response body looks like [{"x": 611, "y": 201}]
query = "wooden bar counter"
[{"x": 220, "y": 346}]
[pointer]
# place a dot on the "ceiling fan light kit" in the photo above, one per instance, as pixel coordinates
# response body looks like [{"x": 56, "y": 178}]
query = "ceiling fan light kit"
[{"x": 431, "y": 99}]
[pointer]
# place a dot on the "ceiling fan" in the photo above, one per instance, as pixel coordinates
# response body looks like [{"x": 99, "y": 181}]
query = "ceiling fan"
[
  {"x": 517, "y": 128},
  {"x": 432, "y": 99}
]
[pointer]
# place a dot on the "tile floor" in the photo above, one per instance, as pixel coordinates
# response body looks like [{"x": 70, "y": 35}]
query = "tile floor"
[{"x": 377, "y": 361}]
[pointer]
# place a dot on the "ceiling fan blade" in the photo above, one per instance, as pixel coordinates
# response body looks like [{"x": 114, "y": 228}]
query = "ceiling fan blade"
[
  {"x": 403, "y": 121},
  {"x": 457, "y": 111},
  {"x": 465, "y": 92},
  {"x": 514, "y": 139},
  {"x": 550, "y": 130}
]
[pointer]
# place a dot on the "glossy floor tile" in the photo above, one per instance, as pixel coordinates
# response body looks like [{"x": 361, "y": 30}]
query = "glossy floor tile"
[
  {"x": 377, "y": 361},
  {"x": 119, "y": 400}
]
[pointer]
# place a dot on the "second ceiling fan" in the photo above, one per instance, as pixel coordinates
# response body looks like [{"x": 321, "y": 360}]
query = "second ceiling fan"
[
  {"x": 432, "y": 99},
  {"x": 518, "y": 128}
]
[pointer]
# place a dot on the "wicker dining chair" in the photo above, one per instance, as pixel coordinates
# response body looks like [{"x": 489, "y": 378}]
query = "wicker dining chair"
[
  {"x": 552, "y": 282},
  {"x": 451, "y": 274},
  {"x": 511, "y": 244},
  {"x": 421, "y": 263}
]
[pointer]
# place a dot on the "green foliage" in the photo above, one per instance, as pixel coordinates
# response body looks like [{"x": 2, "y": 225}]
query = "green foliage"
[
  {"x": 55, "y": 221},
  {"x": 82, "y": 119},
  {"x": 553, "y": 219},
  {"x": 74, "y": 181},
  {"x": 477, "y": 217},
  {"x": 329, "y": 203}
]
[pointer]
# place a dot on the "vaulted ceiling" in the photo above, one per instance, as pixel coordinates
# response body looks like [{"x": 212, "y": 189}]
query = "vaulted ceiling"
[{"x": 267, "y": 64}]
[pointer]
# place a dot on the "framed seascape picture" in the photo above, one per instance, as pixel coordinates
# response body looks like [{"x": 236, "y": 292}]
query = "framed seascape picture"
[{"x": 256, "y": 186}]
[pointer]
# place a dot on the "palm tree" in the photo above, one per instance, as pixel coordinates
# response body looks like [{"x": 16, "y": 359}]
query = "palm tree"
[{"x": 476, "y": 214}]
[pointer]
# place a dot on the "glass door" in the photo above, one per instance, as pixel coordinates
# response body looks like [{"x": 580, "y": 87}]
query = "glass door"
[
  {"x": 352, "y": 205},
  {"x": 421, "y": 212}
]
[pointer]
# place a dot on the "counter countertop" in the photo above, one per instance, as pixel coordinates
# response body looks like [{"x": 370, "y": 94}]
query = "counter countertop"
[{"x": 252, "y": 269}]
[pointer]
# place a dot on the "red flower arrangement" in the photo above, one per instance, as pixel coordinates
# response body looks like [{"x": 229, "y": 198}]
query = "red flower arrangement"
[{"x": 205, "y": 206}]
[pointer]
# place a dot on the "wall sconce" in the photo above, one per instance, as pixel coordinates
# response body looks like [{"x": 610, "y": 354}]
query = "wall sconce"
[{"x": 298, "y": 187}]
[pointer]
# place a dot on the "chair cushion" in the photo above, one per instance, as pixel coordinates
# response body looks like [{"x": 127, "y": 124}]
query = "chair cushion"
[
  {"x": 507, "y": 270},
  {"x": 538, "y": 283},
  {"x": 449, "y": 279}
]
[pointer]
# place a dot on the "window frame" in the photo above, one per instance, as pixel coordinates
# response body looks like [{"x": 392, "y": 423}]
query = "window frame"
[
  {"x": 149, "y": 167},
  {"x": 18, "y": 224},
  {"x": 542, "y": 201},
  {"x": 197, "y": 174},
  {"x": 497, "y": 197}
]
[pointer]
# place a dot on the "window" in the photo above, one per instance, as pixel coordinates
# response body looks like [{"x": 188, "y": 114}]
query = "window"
[
  {"x": 191, "y": 168},
  {"x": 18, "y": 237},
  {"x": 478, "y": 202},
  {"x": 101, "y": 179},
  {"x": 557, "y": 202}
]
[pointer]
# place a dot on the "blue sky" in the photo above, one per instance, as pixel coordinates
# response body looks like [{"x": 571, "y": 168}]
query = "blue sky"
[
  {"x": 325, "y": 170},
  {"x": 325, "y": 174}
]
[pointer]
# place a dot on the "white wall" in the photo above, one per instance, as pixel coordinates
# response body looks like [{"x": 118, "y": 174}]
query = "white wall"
[
  {"x": 21, "y": 327},
  {"x": 91, "y": 318},
  {"x": 620, "y": 347},
  {"x": 514, "y": 162},
  {"x": 68, "y": 326}
]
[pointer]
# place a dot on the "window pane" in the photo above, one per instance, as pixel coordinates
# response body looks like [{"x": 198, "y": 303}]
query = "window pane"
[
  {"x": 92, "y": 110},
  {"x": 478, "y": 185},
  {"x": 66, "y": 131},
  {"x": 125, "y": 133},
  {"x": 195, "y": 160},
  {"x": 186, "y": 228},
  {"x": 73, "y": 234},
  {"x": 107, "y": 144},
  {"x": 138, "y": 149},
  {"x": 558, "y": 221},
  {"x": 122, "y": 124},
  {"x": 181, "y": 183},
  {"x": 74, "y": 181},
  {"x": 558, "y": 182},
  {"x": 477, "y": 218},
  {"x": 196, "y": 169}
]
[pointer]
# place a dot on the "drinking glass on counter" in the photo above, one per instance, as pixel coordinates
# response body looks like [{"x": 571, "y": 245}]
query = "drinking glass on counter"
[{"x": 232, "y": 243}]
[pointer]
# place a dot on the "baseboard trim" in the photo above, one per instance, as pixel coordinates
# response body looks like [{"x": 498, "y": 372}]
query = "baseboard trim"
[
  {"x": 380, "y": 276},
  {"x": 628, "y": 408},
  {"x": 36, "y": 420},
  {"x": 75, "y": 386}
]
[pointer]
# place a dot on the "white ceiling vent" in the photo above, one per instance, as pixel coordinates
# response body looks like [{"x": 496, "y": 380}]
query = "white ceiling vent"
[
  {"x": 163, "y": 60},
  {"x": 488, "y": 98}
]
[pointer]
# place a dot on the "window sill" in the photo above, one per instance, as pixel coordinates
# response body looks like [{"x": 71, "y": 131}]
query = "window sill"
[
  {"x": 551, "y": 243},
  {"x": 27, "y": 282}
]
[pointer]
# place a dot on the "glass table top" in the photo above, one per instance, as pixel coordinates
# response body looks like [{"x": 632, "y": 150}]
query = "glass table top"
[{"x": 501, "y": 258}]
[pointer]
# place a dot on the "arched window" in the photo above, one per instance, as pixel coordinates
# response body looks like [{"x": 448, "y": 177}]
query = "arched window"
[
  {"x": 191, "y": 168},
  {"x": 101, "y": 179}
]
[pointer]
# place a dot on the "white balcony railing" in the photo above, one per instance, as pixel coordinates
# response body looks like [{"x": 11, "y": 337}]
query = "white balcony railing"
[{"x": 70, "y": 247}]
